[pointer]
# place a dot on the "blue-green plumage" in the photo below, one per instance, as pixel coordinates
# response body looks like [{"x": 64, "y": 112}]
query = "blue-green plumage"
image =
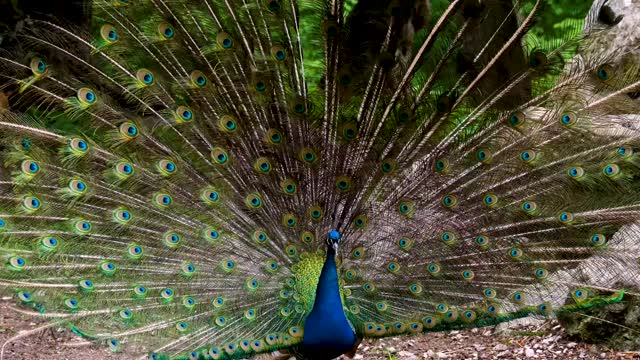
[
  {"x": 327, "y": 331},
  {"x": 169, "y": 195}
]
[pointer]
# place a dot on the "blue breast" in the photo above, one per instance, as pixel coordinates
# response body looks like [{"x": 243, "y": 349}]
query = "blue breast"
[{"x": 327, "y": 332}]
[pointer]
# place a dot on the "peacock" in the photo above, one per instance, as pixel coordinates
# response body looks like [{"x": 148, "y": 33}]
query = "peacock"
[{"x": 219, "y": 179}]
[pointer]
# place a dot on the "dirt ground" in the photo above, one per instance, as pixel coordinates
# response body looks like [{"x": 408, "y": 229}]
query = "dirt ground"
[{"x": 544, "y": 341}]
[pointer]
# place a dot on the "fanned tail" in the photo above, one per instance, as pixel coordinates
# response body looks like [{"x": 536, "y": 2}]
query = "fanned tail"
[{"x": 171, "y": 195}]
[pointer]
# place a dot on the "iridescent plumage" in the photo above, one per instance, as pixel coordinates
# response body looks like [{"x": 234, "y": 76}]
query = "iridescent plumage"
[{"x": 169, "y": 179}]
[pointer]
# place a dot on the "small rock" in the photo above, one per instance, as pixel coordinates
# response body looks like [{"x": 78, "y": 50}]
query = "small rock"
[
  {"x": 428, "y": 355},
  {"x": 528, "y": 352},
  {"x": 406, "y": 355},
  {"x": 500, "y": 347},
  {"x": 572, "y": 345},
  {"x": 358, "y": 357},
  {"x": 502, "y": 354},
  {"x": 441, "y": 355},
  {"x": 392, "y": 350},
  {"x": 603, "y": 355},
  {"x": 478, "y": 347}
]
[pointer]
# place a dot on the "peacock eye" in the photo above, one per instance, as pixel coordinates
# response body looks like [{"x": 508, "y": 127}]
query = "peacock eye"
[
  {"x": 611, "y": 170},
  {"x": 273, "y": 137},
  {"x": 78, "y": 147},
  {"x": 565, "y": 217},
  {"x": 538, "y": 59},
  {"x": 17, "y": 263},
  {"x": 449, "y": 201},
  {"x": 625, "y": 151},
  {"x": 77, "y": 187},
  {"x": 83, "y": 226},
  {"x": 598, "y": 240},
  {"x": 166, "y": 31},
  {"x": 224, "y": 40},
  {"x": 30, "y": 167},
  {"x": 145, "y": 77},
  {"x": 184, "y": 114},
  {"x": 482, "y": 240},
  {"x": 71, "y": 304},
  {"x": 25, "y": 297},
  {"x": 517, "y": 119},
  {"x": 604, "y": 72},
  {"x": 260, "y": 85},
  {"x": 167, "y": 167},
  {"x": 122, "y": 216},
  {"x": 31, "y": 203},
  {"x": 490, "y": 200},
  {"x": 308, "y": 156},
  {"x": 38, "y": 67},
  {"x": 109, "y": 33},
  {"x": 49, "y": 243},
  {"x": 528, "y": 156},
  {"x": 253, "y": 201},
  {"x": 568, "y": 119},
  {"x": 86, "y": 96},
  {"x": 219, "y": 156},
  {"x": 442, "y": 165},
  {"x": 278, "y": 53},
  {"x": 484, "y": 156},
  {"x": 576, "y": 172},
  {"x": 226, "y": 43},
  {"x": 123, "y": 170}
]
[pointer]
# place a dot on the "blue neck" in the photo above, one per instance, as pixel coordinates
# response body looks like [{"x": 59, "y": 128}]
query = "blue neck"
[{"x": 327, "y": 332}]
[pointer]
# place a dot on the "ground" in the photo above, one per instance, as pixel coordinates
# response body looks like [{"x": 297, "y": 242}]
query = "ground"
[{"x": 543, "y": 341}]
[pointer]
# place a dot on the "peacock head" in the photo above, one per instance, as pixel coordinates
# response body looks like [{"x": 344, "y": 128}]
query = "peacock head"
[{"x": 333, "y": 239}]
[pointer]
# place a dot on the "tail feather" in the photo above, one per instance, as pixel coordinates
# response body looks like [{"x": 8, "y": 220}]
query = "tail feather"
[{"x": 171, "y": 194}]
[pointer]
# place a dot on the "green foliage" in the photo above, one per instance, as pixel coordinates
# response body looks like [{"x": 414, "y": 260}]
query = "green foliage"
[
  {"x": 562, "y": 19},
  {"x": 559, "y": 17}
]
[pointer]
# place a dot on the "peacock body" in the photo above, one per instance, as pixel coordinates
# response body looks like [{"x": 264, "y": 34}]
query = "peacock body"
[{"x": 177, "y": 181}]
